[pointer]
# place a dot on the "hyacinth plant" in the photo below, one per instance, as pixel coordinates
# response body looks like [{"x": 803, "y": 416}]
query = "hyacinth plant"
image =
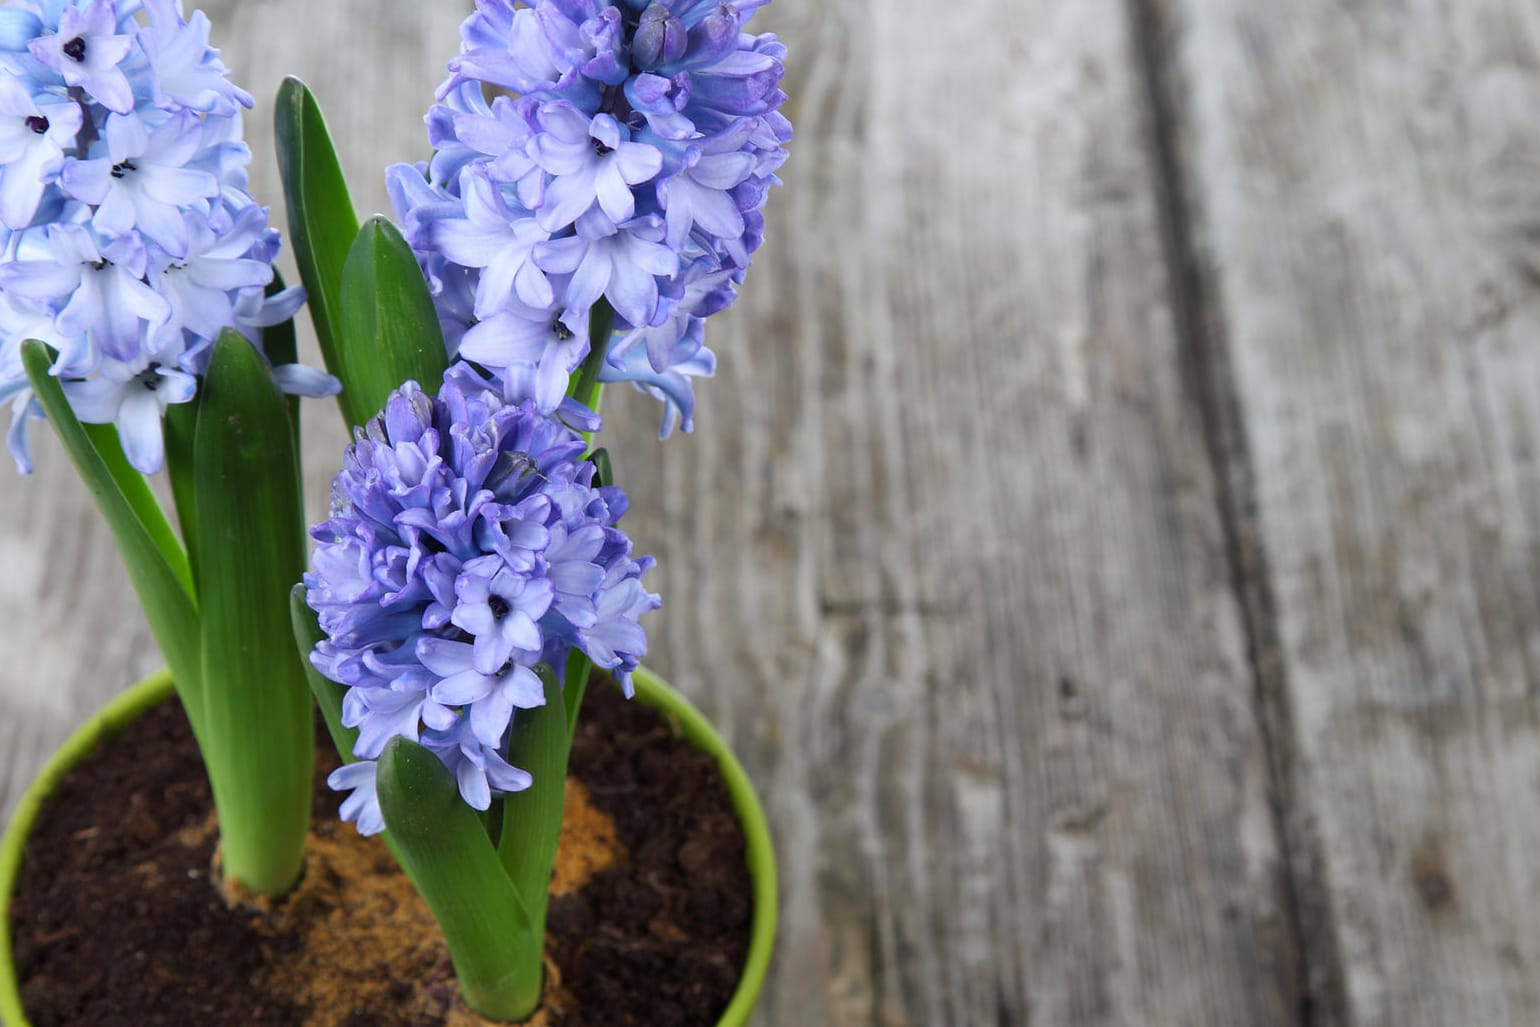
[
  {"x": 140, "y": 312},
  {"x": 594, "y": 195}
]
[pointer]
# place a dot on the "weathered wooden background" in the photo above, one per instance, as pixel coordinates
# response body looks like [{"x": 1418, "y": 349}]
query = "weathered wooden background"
[{"x": 1111, "y": 540}]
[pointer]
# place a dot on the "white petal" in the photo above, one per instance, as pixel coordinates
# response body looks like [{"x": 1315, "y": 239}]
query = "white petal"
[{"x": 139, "y": 430}]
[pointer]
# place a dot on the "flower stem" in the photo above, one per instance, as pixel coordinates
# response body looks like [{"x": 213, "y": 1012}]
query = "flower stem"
[
  {"x": 531, "y": 819},
  {"x": 444, "y": 848},
  {"x": 587, "y": 388},
  {"x": 579, "y": 669}
]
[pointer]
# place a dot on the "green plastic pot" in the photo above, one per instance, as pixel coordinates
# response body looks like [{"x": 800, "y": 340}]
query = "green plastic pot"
[{"x": 651, "y": 690}]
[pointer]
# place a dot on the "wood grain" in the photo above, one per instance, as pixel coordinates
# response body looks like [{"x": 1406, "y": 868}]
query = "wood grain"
[
  {"x": 944, "y": 553},
  {"x": 944, "y": 557},
  {"x": 1364, "y": 185}
]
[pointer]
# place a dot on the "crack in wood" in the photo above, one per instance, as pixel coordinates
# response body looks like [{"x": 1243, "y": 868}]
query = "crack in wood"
[
  {"x": 1319, "y": 985},
  {"x": 883, "y": 608}
]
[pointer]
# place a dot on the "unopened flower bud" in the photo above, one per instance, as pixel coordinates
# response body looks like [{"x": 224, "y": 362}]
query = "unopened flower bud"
[{"x": 660, "y": 38}]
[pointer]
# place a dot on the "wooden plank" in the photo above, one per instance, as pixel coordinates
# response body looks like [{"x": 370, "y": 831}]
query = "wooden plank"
[
  {"x": 1364, "y": 182},
  {"x": 943, "y": 557},
  {"x": 943, "y": 553},
  {"x": 70, "y": 628}
]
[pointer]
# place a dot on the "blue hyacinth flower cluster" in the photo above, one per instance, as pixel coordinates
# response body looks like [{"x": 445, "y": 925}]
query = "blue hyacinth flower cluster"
[
  {"x": 129, "y": 238},
  {"x": 625, "y": 156},
  {"x": 467, "y": 544}
]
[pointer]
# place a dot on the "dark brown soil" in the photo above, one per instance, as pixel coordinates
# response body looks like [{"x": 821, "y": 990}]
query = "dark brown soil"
[
  {"x": 673, "y": 923},
  {"x": 116, "y": 923}
]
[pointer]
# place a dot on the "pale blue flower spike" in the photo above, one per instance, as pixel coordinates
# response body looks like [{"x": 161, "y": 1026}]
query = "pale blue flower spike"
[
  {"x": 131, "y": 240},
  {"x": 635, "y": 174},
  {"x": 467, "y": 544}
]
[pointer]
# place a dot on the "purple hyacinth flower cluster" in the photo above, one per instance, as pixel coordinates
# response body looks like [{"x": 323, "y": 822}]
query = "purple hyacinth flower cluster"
[
  {"x": 627, "y": 158},
  {"x": 467, "y": 544},
  {"x": 130, "y": 240}
]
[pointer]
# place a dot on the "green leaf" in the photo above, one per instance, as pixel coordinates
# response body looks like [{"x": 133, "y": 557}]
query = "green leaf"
[
  {"x": 321, "y": 219},
  {"x": 496, "y": 953},
  {"x": 251, "y": 545},
  {"x": 604, "y": 471},
  {"x": 389, "y": 329},
  {"x": 137, "y": 491},
  {"x": 156, "y": 562},
  {"x": 531, "y": 824}
]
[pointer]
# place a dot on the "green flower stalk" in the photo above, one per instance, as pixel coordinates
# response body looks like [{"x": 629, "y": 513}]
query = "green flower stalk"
[{"x": 470, "y": 563}]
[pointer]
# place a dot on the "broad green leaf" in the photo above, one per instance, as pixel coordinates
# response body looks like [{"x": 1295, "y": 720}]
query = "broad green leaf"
[
  {"x": 531, "y": 823},
  {"x": 156, "y": 562},
  {"x": 137, "y": 491},
  {"x": 251, "y": 549},
  {"x": 321, "y": 219},
  {"x": 389, "y": 329},
  {"x": 496, "y": 953}
]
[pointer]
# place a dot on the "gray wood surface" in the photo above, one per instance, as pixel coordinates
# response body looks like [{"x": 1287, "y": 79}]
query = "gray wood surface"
[
  {"x": 1109, "y": 539},
  {"x": 1364, "y": 191}
]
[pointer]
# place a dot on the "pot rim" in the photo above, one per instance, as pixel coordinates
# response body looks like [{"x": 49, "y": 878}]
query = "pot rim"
[
  {"x": 653, "y": 691},
  {"x": 103, "y": 726}
]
